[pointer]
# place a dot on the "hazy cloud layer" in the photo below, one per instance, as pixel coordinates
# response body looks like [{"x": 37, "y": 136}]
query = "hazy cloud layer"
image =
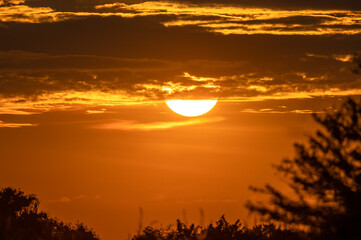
[
  {"x": 33, "y": 82},
  {"x": 15, "y": 125},
  {"x": 81, "y": 5},
  {"x": 271, "y": 110},
  {"x": 62, "y": 55},
  {"x": 153, "y": 126},
  {"x": 225, "y": 19}
]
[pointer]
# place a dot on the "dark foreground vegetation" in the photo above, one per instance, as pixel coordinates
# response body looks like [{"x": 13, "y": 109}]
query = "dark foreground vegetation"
[
  {"x": 222, "y": 230},
  {"x": 325, "y": 176},
  {"x": 20, "y": 219}
]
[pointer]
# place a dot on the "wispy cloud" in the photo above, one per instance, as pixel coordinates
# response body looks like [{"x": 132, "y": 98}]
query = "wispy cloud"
[
  {"x": 70, "y": 199},
  {"x": 230, "y": 19},
  {"x": 297, "y": 95},
  {"x": 65, "y": 200},
  {"x": 153, "y": 126},
  {"x": 15, "y": 125},
  {"x": 297, "y": 111},
  {"x": 33, "y": 83},
  {"x": 204, "y": 200},
  {"x": 227, "y": 88},
  {"x": 220, "y": 18},
  {"x": 95, "y": 111},
  {"x": 338, "y": 57},
  {"x": 69, "y": 100},
  {"x": 344, "y": 57}
]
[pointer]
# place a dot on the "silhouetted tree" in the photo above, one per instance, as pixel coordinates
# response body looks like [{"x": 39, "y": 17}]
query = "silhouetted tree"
[
  {"x": 222, "y": 230},
  {"x": 20, "y": 219},
  {"x": 325, "y": 176}
]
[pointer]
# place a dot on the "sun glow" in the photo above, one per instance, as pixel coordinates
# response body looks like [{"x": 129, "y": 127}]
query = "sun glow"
[{"x": 191, "y": 108}]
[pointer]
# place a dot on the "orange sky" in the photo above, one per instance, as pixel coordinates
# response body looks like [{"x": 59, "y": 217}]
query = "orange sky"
[{"x": 84, "y": 125}]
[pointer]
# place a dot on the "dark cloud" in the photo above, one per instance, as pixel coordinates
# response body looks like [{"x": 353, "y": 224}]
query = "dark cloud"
[
  {"x": 295, "y": 4},
  {"x": 222, "y": 19},
  {"x": 29, "y": 60},
  {"x": 65, "y": 5},
  {"x": 86, "y": 5},
  {"x": 28, "y": 74},
  {"x": 145, "y": 37},
  {"x": 139, "y": 55},
  {"x": 31, "y": 75},
  {"x": 302, "y": 20}
]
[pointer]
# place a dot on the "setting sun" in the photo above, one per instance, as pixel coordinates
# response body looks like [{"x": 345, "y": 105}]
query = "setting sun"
[{"x": 191, "y": 108}]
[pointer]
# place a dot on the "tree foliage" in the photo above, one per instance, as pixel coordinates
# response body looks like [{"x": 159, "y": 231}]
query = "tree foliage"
[
  {"x": 222, "y": 230},
  {"x": 21, "y": 219},
  {"x": 325, "y": 176}
]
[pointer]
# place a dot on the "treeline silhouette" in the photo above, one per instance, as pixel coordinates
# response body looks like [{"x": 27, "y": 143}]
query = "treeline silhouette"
[
  {"x": 20, "y": 219},
  {"x": 222, "y": 230}
]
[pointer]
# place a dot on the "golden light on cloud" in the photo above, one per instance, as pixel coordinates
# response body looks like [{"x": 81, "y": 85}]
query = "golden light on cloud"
[
  {"x": 15, "y": 125},
  {"x": 70, "y": 100},
  {"x": 191, "y": 108},
  {"x": 219, "y": 18},
  {"x": 155, "y": 126},
  {"x": 242, "y": 20}
]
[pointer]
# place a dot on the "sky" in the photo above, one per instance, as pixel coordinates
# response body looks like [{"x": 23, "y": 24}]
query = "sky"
[{"x": 84, "y": 123}]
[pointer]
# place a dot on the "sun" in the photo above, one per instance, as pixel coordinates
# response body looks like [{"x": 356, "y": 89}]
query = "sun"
[{"x": 191, "y": 108}]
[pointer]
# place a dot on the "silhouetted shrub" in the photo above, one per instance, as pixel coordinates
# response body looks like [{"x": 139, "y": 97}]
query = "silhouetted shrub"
[
  {"x": 20, "y": 219},
  {"x": 222, "y": 230}
]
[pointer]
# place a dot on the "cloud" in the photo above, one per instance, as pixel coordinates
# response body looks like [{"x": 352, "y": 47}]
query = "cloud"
[
  {"x": 94, "y": 111},
  {"x": 154, "y": 126},
  {"x": 220, "y": 18},
  {"x": 15, "y": 125},
  {"x": 86, "y": 5},
  {"x": 65, "y": 200},
  {"x": 281, "y": 111},
  {"x": 297, "y": 95},
  {"x": 69, "y": 100},
  {"x": 30, "y": 74},
  {"x": 203, "y": 200},
  {"x": 344, "y": 58},
  {"x": 32, "y": 60},
  {"x": 12, "y": 109},
  {"x": 37, "y": 82},
  {"x": 11, "y": 2}
]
